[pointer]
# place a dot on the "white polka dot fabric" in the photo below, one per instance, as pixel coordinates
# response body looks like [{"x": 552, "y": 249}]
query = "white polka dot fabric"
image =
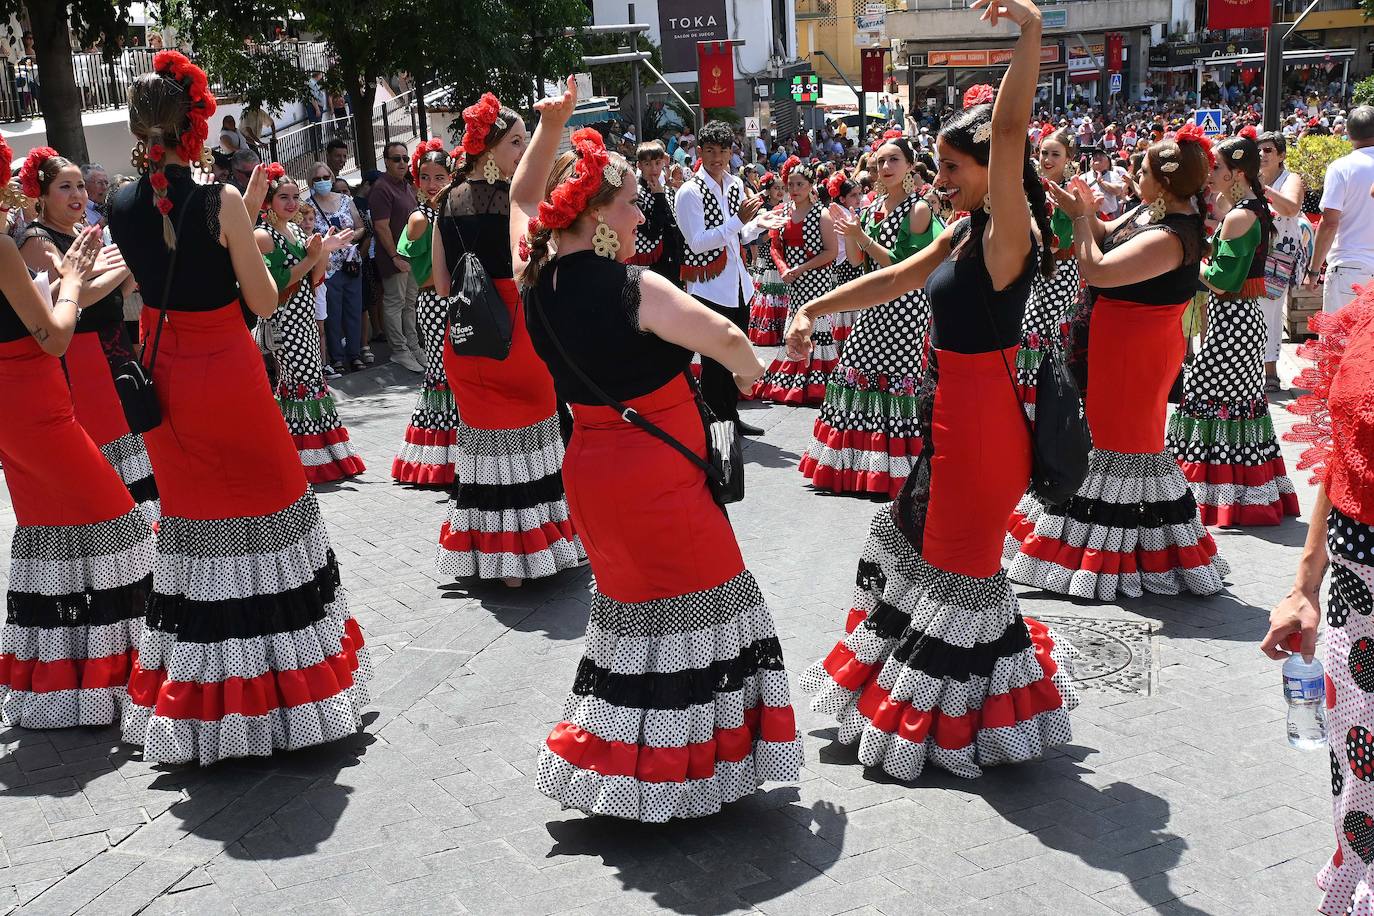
[{"x": 435, "y": 410}]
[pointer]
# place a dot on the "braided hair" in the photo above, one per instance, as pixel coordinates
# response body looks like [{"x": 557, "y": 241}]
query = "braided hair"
[
  {"x": 961, "y": 131},
  {"x": 1241, "y": 154}
]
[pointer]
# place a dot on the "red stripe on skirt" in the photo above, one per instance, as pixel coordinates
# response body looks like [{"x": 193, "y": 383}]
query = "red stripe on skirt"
[
  {"x": 440, "y": 437},
  {"x": 587, "y": 751},
  {"x": 1244, "y": 475},
  {"x": 522, "y": 542},
  {"x": 1234, "y": 516},
  {"x": 421, "y": 474},
  {"x": 1110, "y": 562},
  {"x": 37, "y": 676},
  {"x": 334, "y": 436},
  {"x": 849, "y": 480}
]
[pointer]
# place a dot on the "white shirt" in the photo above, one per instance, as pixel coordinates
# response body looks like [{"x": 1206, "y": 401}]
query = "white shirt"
[
  {"x": 1346, "y": 188},
  {"x": 1110, "y": 203},
  {"x": 726, "y": 288}
]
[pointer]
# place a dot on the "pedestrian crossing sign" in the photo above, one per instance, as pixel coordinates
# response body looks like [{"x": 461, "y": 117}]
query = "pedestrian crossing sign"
[{"x": 1209, "y": 119}]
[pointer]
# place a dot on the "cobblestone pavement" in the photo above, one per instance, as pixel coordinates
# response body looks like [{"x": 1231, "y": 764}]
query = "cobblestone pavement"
[{"x": 1178, "y": 794}]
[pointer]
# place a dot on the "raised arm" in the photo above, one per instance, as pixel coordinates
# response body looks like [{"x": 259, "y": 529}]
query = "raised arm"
[
  {"x": 255, "y": 282},
  {"x": 532, "y": 174},
  {"x": 51, "y": 325},
  {"x": 1147, "y": 255},
  {"x": 669, "y": 313}
]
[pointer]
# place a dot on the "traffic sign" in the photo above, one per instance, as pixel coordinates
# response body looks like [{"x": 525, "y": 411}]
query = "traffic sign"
[
  {"x": 1209, "y": 119},
  {"x": 1115, "y": 84},
  {"x": 751, "y": 127}
]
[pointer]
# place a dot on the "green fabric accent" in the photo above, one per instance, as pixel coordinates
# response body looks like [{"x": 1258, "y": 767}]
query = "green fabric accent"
[
  {"x": 885, "y": 403},
  {"x": 276, "y": 263},
  {"x": 438, "y": 401},
  {"x": 313, "y": 409},
  {"x": 1229, "y": 264},
  {"x": 420, "y": 252},
  {"x": 1062, "y": 225},
  {"x": 907, "y": 242},
  {"x": 1213, "y": 431},
  {"x": 1027, "y": 358}
]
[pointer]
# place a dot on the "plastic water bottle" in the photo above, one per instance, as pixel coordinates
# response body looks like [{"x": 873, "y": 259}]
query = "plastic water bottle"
[{"x": 1304, "y": 687}]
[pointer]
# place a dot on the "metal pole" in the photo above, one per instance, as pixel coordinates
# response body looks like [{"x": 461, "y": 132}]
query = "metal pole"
[
  {"x": 678, "y": 95},
  {"x": 420, "y": 110},
  {"x": 634, "y": 81},
  {"x": 1273, "y": 68},
  {"x": 1345, "y": 84}
]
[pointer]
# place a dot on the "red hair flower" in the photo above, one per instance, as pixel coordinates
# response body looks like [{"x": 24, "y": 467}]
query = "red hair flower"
[
  {"x": 787, "y": 167},
  {"x": 6, "y": 157},
  {"x": 159, "y": 181},
  {"x": 477, "y": 122},
  {"x": 567, "y": 201},
  {"x": 835, "y": 185},
  {"x": 275, "y": 171},
  {"x": 422, "y": 149},
  {"x": 174, "y": 66},
  {"x": 980, "y": 94},
  {"x": 28, "y": 172},
  {"x": 1249, "y": 132},
  {"x": 156, "y": 152},
  {"x": 1192, "y": 133},
  {"x": 164, "y": 205}
]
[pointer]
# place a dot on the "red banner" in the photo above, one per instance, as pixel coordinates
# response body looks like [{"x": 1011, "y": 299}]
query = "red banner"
[
  {"x": 1114, "y": 55},
  {"x": 872, "y": 70},
  {"x": 1239, "y": 14},
  {"x": 716, "y": 74}
]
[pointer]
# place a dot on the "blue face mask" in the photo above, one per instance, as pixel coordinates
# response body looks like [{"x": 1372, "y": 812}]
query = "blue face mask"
[{"x": 323, "y": 186}]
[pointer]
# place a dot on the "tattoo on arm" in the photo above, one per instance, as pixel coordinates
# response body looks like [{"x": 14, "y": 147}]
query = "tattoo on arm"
[{"x": 40, "y": 334}]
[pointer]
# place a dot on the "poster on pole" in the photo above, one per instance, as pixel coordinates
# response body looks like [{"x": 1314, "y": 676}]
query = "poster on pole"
[
  {"x": 681, "y": 24},
  {"x": 870, "y": 25}
]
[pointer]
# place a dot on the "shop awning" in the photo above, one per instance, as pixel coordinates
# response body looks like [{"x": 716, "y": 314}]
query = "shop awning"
[{"x": 1289, "y": 57}]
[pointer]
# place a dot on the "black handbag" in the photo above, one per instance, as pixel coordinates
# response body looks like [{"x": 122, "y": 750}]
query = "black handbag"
[
  {"x": 479, "y": 323},
  {"x": 134, "y": 384},
  {"x": 1060, "y": 440},
  {"x": 724, "y": 464}
]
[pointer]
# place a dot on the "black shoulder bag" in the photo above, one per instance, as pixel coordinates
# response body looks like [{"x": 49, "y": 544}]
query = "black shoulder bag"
[
  {"x": 1060, "y": 440},
  {"x": 132, "y": 382},
  {"x": 724, "y": 464},
  {"x": 479, "y": 323}
]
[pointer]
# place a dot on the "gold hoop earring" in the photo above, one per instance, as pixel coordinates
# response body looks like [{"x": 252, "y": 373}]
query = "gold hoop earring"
[
  {"x": 1156, "y": 209},
  {"x": 605, "y": 241},
  {"x": 139, "y": 158},
  {"x": 909, "y": 183},
  {"x": 491, "y": 172}
]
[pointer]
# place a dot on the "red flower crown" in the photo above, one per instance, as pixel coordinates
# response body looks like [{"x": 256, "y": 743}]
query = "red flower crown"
[
  {"x": 567, "y": 201},
  {"x": 1248, "y": 132},
  {"x": 477, "y": 122},
  {"x": 276, "y": 177},
  {"x": 981, "y": 94},
  {"x": 834, "y": 186},
  {"x": 1192, "y": 133},
  {"x": 6, "y": 157},
  {"x": 889, "y": 134},
  {"x": 174, "y": 66},
  {"x": 28, "y": 172},
  {"x": 423, "y": 149},
  {"x": 794, "y": 164}
]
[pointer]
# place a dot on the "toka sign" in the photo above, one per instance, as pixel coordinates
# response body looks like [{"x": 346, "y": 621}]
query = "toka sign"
[{"x": 681, "y": 24}]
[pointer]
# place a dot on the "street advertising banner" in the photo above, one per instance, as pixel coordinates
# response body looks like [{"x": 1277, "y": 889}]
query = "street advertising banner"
[
  {"x": 716, "y": 74},
  {"x": 681, "y": 24}
]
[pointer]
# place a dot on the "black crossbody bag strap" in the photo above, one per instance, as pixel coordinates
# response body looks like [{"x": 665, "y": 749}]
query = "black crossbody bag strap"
[
  {"x": 167, "y": 283},
  {"x": 628, "y": 414},
  {"x": 1015, "y": 388}
]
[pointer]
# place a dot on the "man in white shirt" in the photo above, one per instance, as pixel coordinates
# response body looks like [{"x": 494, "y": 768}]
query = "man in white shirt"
[
  {"x": 1345, "y": 237},
  {"x": 716, "y": 216},
  {"x": 1106, "y": 179}
]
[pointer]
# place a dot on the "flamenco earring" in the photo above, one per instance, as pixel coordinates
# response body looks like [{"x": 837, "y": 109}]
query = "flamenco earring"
[
  {"x": 491, "y": 172},
  {"x": 987, "y": 204},
  {"x": 1237, "y": 192},
  {"x": 1070, "y": 170},
  {"x": 605, "y": 241},
  {"x": 139, "y": 159},
  {"x": 1156, "y": 209},
  {"x": 909, "y": 183}
]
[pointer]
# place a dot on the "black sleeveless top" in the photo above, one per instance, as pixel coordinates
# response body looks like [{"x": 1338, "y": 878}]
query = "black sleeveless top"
[
  {"x": 106, "y": 312},
  {"x": 1257, "y": 263},
  {"x": 11, "y": 328},
  {"x": 968, "y": 315},
  {"x": 595, "y": 313},
  {"x": 1170, "y": 287},
  {"x": 476, "y": 218},
  {"x": 204, "y": 277}
]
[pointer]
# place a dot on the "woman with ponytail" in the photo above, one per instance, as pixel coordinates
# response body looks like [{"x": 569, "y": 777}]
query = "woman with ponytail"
[
  {"x": 82, "y": 555},
  {"x": 248, "y": 646},
  {"x": 843, "y": 195},
  {"x": 507, "y": 517},
  {"x": 768, "y": 308},
  {"x": 429, "y": 451},
  {"x": 100, "y": 342},
  {"x": 1222, "y": 433},
  {"x": 939, "y": 665},
  {"x": 303, "y": 394},
  {"x": 867, "y": 436},
  {"x": 803, "y": 251},
  {"x": 1133, "y": 526},
  {"x": 681, "y": 702}
]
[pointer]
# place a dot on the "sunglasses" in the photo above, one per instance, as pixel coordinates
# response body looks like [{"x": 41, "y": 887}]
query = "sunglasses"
[{"x": 396, "y": 158}]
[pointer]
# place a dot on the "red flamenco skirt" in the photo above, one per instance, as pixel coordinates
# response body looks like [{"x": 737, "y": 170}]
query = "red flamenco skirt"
[
  {"x": 799, "y": 382},
  {"x": 768, "y": 311},
  {"x": 248, "y": 647},
  {"x": 81, "y": 559},
  {"x": 507, "y": 517},
  {"x": 938, "y": 665},
  {"x": 100, "y": 412},
  {"x": 651, "y": 730},
  {"x": 430, "y": 449}
]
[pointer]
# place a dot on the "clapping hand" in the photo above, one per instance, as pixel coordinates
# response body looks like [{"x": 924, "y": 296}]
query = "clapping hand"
[
  {"x": 82, "y": 256},
  {"x": 336, "y": 238},
  {"x": 109, "y": 258},
  {"x": 799, "y": 336},
  {"x": 750, "y": 207},
  {"x": 1076, "y": 199},
  {"x": 1018, "y": 11},
  {"x": 559, "y": 108}
]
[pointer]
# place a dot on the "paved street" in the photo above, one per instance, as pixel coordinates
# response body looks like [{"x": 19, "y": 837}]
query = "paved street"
[{"x": 1179, "y": 794}]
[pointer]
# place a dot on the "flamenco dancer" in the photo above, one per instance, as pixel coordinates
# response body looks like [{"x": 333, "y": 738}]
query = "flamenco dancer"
[
  {"x": 81, "y": 559},
  {"x": 1133, "y": 526},
  {"x": 1222, "y": 433},
  {"x": 658, "y": 243},
  {"x": 429, "y": 451},
  {"x": 867, "y": 436},
  {"x": 680, "y": 704},
  {"x": 804, "y": 252},
  {"x": 297, "y": 265},
  {"x": 768, "y": 307},
  {"x": 101, "y": 341},
  {"x": 248, "y": 646},
  {"x": 845, "y": 196},
  {"x": 1341, "y": 433},
  {"x": 507, "y": 518},
  {"x": 939, "y": 665}
]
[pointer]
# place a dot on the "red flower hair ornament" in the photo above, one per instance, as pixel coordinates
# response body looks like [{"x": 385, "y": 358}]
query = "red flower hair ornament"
[
  {"x": 787, "y": 167},
  {"x": 9, "y": 197},
  {"x": 28, "y": 172},
  {"x": 276, "y": 177},
  {"x": 423, "y": 149},
  {"x": 980, "y": 94},
  {"x": 1192, "y": 133},
  {"x": 1248, "y": 132},
  {"x": 835, "y": 185},
  {"x": 766, "y": 179},
  {"x": 174, "y": 66},
  {"x": 477, "y": 123},
  {"x": 889, "y": 134},
  {"x": 6, "y": 158},
  {"x": 567, "y": 201}
]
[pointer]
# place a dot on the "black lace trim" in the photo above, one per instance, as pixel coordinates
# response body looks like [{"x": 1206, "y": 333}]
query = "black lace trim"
[
  {"x": 497, "y": 497},
  {"x": 246, "y": 618},
  {"x": 1130, "y": 516},
  {"x": 143, "y": 490},
  {"x": 630, "y": 296},
  {"x": 91, "y": 608},
  {"x": 679, "y": 689}
]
